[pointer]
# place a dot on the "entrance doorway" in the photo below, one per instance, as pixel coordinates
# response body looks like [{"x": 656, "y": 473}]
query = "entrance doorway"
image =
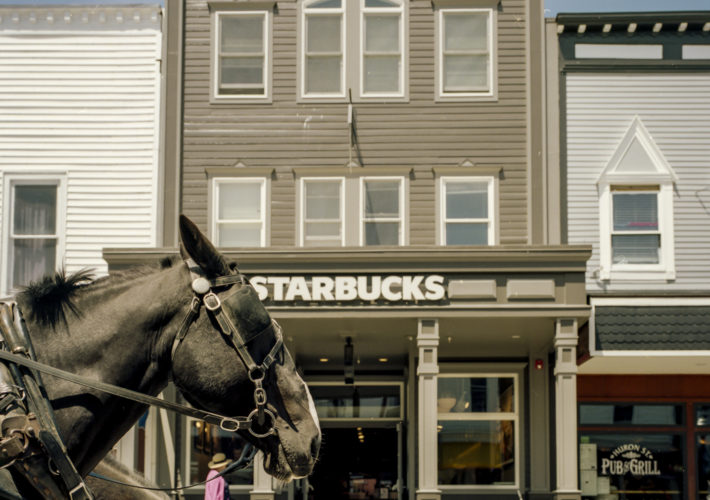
[{"x": 357, "y": 463}]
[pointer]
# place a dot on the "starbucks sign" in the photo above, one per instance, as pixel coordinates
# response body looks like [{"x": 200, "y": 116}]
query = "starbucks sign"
[{"x": 630, "y": 458}]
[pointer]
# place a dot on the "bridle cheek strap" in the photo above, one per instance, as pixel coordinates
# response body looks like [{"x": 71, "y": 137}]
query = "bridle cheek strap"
[
  {"x": 204, "y": 295},
  {"x": 256, "y": 372}
]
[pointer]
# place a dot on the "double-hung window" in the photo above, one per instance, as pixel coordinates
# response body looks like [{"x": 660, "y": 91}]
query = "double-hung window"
[
  {"x": 323, "y": 211},
  {"x": 382, "y": 211},
  {"x": 465, "y": 53},
  {"x": 351, "y": 210},
  {"x": 478, "y": 430},
  {"x": 636, "y": 211},
  {"x": 241, "y": 55},
  {"x": 239, "y": 212},
  {"x": 635, "y": 235},
  {"x": 467, "y": 208},
  {"x": 352, "y": 48},
  {"x": 34, "y": 241}
]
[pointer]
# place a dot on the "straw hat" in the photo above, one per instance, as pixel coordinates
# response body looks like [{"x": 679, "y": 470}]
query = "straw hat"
[{"x": 218, "y": 460}]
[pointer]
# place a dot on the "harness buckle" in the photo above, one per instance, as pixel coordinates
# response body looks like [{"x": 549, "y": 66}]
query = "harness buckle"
[
  {"x": 230, "y": 425},
  {"x": 212, "y": 302},
  {"x": 259, "y": 396}
]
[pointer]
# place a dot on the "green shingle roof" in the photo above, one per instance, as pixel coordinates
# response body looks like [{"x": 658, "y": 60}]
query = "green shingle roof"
[{"x": 652, "y": 328}]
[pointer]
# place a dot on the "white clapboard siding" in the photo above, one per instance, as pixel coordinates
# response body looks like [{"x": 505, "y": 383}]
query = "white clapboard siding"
[
  {"x": 675, "y": 108},
  {"x": 80, "y": 96}
]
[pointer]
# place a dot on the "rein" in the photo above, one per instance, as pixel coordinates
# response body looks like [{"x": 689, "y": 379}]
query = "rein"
[
  {"x": 226, "y": 423},
  {"x": 243, "y": 462}
]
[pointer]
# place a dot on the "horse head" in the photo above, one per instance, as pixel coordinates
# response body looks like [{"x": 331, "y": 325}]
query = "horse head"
[{"x": 214, "y": 373}]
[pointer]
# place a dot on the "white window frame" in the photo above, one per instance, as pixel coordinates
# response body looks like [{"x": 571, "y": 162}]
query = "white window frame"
[
  {"x": 214, "y": 206},
  {"x": 513, "y": 416},
  {"x": 217, "y": 16},
  {"x": 352, "y": 72},
  {"x": 402, "y": 219},
  {"x": 330, "y": 12},
  {"x": 659, "y": 173},
  {"x": 10, "y": 181},
  {"x": 665, "y": 269},
  {"x": 492, "y": 92},
  {"x": 387, "y": 11},
  {"x": 302, "y": 206},
  {"x": 491, "y": 220}
]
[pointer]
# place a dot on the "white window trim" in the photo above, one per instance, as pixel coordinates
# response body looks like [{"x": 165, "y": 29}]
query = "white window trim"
[
  {"x": 352, "y": 70},
  {"x": 663, "y": 177},
  {"x": 485, "y": 416},
  {"x": 341, "y": 11},
  {"x": 215, "y": 95},
  {"x": 381, "y": 10},
  {"x": 302, "y": 206},
  {"x": 492, "y": 219},
  {"x": 9, "y": 181},
  {"x": 492, "y": 93},
  {"x": 214, "y": 204},
  {"x": 402, "y": 214}
]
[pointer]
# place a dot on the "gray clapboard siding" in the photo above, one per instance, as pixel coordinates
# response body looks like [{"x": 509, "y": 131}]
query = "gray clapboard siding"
[
  {"x": 80, "y": 96},
  {"x": 675, "y": 108},
  {"x": 420, "y": 133}
]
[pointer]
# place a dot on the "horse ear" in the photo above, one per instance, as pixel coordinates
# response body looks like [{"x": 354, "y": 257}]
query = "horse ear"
[{"x": 194, "y": 245}]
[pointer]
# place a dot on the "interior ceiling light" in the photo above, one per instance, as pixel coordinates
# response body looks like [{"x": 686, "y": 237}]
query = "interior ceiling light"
[
  {"x": 323, "y": 360},
  {"x": 383, "y": 360}
]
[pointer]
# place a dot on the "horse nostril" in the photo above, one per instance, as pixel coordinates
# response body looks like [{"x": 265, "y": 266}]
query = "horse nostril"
[{"x": 315, "y": 447}]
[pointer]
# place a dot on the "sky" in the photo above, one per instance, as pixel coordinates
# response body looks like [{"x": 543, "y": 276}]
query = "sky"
[{"x": 554, "y": 7}]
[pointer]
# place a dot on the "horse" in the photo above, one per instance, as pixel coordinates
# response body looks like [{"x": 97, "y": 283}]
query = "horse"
[{"x": 140, "y": 329}]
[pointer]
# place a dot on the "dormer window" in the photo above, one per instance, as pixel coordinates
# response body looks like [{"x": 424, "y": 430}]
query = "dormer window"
[{"x": 636, "y": 211}]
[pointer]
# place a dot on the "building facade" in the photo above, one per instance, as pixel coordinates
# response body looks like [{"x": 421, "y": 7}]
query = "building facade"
[
  {"x": 378, "y": 169},
  {"x": 634, "y": 107},
  {"x": 80, "y": 160}
]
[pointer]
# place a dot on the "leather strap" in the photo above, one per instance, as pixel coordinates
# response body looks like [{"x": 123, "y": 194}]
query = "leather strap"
[{"x": 226, "y": 423}]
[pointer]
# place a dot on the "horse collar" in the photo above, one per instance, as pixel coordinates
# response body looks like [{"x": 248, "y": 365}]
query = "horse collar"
[{"x": 202, "y": 288}]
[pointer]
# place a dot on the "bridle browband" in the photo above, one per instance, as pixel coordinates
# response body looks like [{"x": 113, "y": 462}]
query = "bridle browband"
[{"x": 204, "y": 294}]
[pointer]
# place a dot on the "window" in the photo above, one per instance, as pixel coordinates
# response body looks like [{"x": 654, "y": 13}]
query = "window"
[
  {"x": 467, "y": 208},
  {"x": 465, "y": 56},
  {"x": 241, "y": 55},
  {"x": 478, "y": 430},
  {"x": 34, "y": 229},
  {"x": 382, "y": 211},
  {"x": 702, "y": 449},
  {"x": 332, "y": 68},
  {"x": 355, "y": 209},
  {"x": 323, "y": 212},
  {"x": 239, "y": 212},
  {"x": 632, "y": 448},
  {"x": 636, "y": 211},
  {"x": 205, "y": 440},
  {"x": 635, "y": 236}
]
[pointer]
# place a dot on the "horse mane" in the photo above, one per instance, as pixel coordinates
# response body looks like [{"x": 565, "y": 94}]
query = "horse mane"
[{"x": 49, "y": 299}]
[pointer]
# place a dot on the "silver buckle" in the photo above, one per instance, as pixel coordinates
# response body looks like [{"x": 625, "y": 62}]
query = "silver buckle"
[{"x": 212, "y": 302}]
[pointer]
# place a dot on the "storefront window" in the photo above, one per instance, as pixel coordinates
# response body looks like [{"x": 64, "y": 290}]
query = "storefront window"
[
  {"x": 630, "y": 414},
  {"x": 632, "y": 465},
  {"x": 702, "y": 449},
  {"x": 477, "y": 430},
  {"x": 357, "y": 401},
  {"x": 205, "y": 441}
]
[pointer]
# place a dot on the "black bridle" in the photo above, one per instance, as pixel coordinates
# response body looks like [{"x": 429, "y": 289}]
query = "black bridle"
[{"x": 204, "y": 294}]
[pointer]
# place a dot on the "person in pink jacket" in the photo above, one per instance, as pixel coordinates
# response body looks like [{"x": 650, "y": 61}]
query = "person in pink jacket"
[{"x": 218, "y": 488}]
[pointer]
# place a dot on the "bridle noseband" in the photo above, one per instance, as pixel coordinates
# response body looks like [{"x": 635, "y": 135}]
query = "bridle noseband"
[{"x": 204, "y": 294}]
